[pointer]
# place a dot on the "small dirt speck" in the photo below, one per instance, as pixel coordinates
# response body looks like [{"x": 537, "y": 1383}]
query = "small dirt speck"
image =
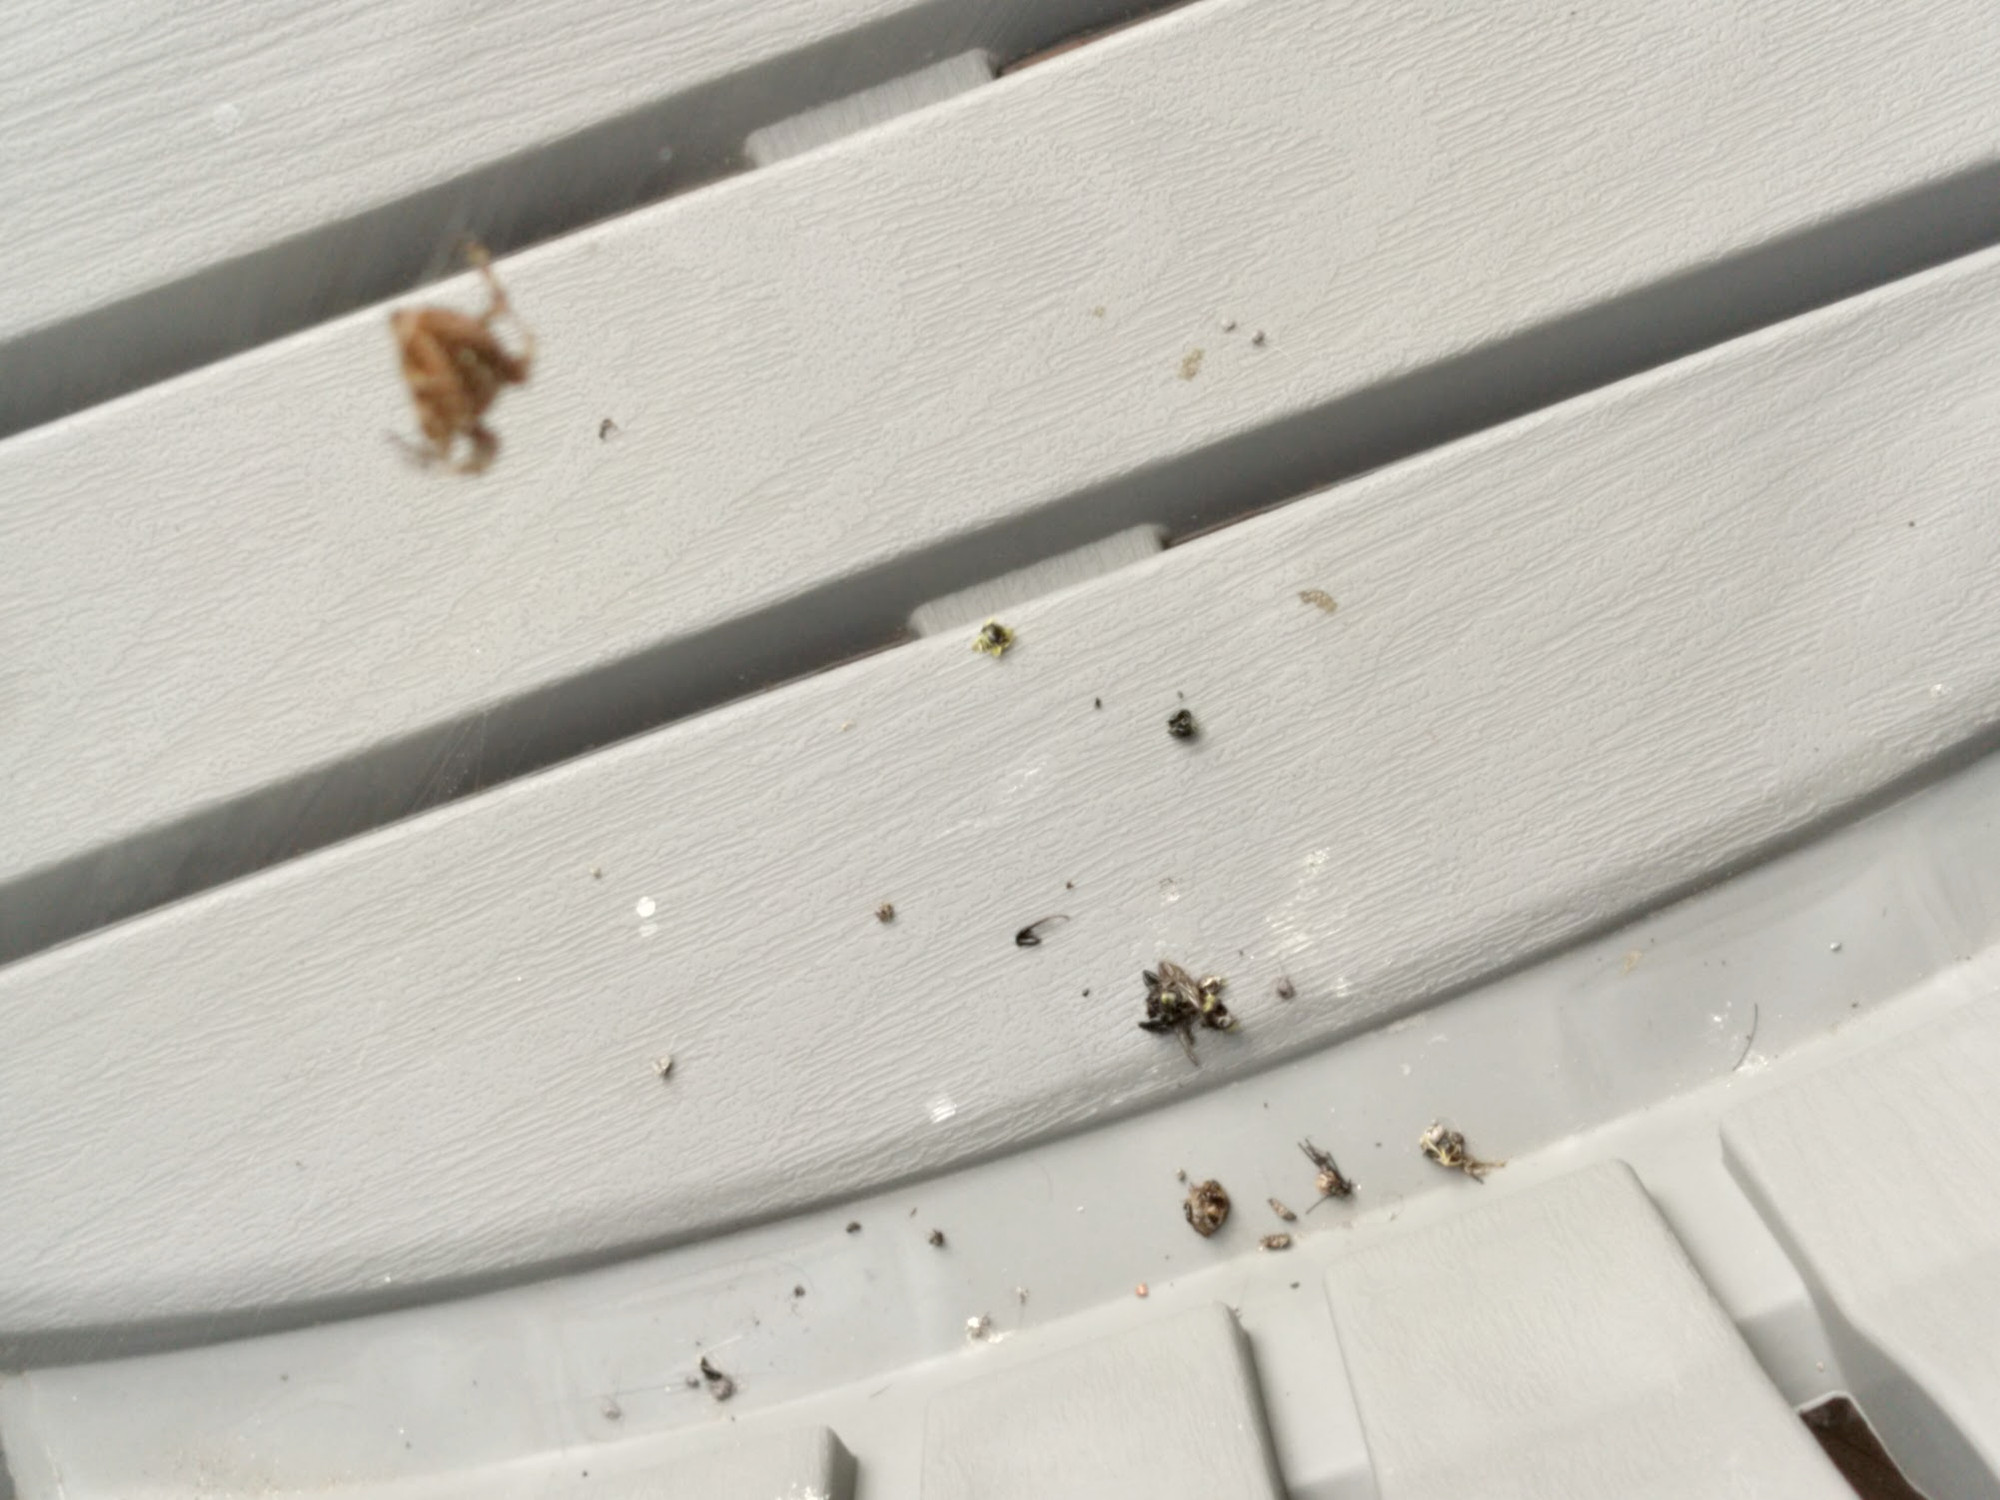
[{"x": 1191, "y": 364}]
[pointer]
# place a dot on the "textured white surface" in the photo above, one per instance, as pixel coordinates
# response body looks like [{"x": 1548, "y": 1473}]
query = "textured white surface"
[
  {"x": 143, "y": 148},
  {"x": 1622, "y": 1047},
  {"x": 1881, "y": 1175},
  {"x": 1169, "y": 1410},
  {"x": 1556, "y": 1345},
  {"x": 829, "y": 122},
  {"x": 1577, "y": 664},
  {"x": 786, "y": 1464},
  {"x": 233, "y": 579}
]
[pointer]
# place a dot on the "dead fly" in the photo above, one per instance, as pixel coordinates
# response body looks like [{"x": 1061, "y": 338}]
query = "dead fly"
[
  {"x": 1330, "y": 1182},
  {"x": 1275, "y": 1242},
  {"x": 719, "y": 1385},
  {"x": 1447, "y": 1149},
  {"x": 1283, "y": 1212},
  {"x": 1181, "y": 725},
  {"x": 1207, "y": 1207},
  {"x": 1031, "y": 935},
  {"x": 456, "y": 368},
  {"x": 993, "y": 640},
  {"x": 1176, "y": 1001}
]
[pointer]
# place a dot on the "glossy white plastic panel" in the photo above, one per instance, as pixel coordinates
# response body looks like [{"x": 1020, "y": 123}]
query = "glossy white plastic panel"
[
  {"x": 239, "y": 625},
  {"x": 1576, "y": 665},
  {"x": 1881, "y": 1175},
  {"x": 1557, "y": 1345},
  {"x": 1170, "y": 1410},
  {"x": 1629, "y": 1046}
]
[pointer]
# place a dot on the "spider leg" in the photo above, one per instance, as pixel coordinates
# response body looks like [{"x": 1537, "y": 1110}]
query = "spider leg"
[{"x": 485, "y": 443}]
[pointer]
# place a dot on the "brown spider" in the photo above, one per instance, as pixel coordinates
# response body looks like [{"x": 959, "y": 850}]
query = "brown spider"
[{"x": 455, "y": 368}]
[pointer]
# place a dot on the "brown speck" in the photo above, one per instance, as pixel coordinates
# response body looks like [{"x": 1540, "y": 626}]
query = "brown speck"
[
  {"x": 886, "y": 912},
  {"x": 720, "y": 1385},
  {"x": 605, "y": 429},
  {"x": 1257, "y": 338},
  {"x": 1097, "y": 703},
  {"x": 798, "y": 1291},
  {"x": 1283, "y": 1212},
  {"x": 1191, "y": 364},
  {"x": 1181, "y": 725},
  {"x": 1207, "y": 1207},
  {"x": 1275, "y": 1242},
  {"x": 1319, "y": 599},
  {"x": 596, "y": 872},
  {"x": 1283, "y": 988},
  {"x": 937, "y": 1239},
  {"x": 854, "y": 1226},
  {"x": 1230, "y": 326},
  {"x": 1031, "y": 935}
]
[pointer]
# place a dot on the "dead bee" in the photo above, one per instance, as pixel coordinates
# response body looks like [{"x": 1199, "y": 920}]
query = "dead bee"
[
  {"x": 720, "y": 1385},
  {"x": 1275, "y": 1242},
  {"x": 1181, "y": 725},
  {"x": 1447, "y": 1149},
  {"x": 1176, "y": 1001},
  {"x": 1330, "y": 1182},
  {"x": 993, "y": 640},
  {"x": 455, "y": 368},
  {"x": 1207, "y": 1207},
  {"x": 1283, "y": 1212}
]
